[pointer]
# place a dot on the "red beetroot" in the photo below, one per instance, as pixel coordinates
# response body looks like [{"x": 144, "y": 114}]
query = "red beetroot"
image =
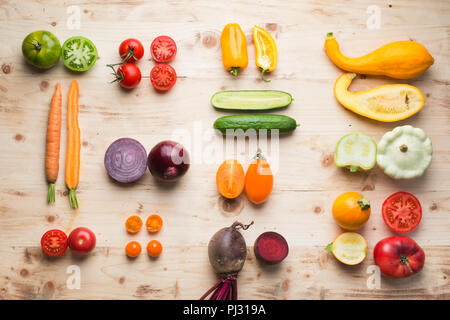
[
  {"x": 271, "y": 247},
  {"x": 227, "y": 252}
]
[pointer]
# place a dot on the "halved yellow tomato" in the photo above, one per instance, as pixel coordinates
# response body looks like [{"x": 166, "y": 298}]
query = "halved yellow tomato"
[{"x": 349, "y": 248}]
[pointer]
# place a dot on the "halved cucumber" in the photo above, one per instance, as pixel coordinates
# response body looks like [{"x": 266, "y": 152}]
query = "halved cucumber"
[
  {"x": 251, "y": 99},
  {"x": 356, "y": 150},
  {"x": 257, "y": 122}
]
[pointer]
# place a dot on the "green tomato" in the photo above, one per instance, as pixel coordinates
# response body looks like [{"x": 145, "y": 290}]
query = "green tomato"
[
  {"x": 41, "y": 49},
  {"x": 78, "y": 53}
]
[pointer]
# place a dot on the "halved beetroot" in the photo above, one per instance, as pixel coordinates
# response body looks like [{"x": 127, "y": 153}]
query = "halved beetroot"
[{"x": 271, "y": 247}]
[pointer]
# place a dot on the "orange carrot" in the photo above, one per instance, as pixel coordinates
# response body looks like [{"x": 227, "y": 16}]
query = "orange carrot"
[
  {"x": 73, "y": 144},
  {"x": 52, "y": 143}
]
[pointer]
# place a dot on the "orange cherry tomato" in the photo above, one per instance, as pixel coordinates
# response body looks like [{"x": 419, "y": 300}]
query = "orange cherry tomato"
[
  {"x": 258, "y": 180},
  {"x": 154, "y": 223},
  {"x": 230, "y": 179},
  {"x": 133, "y": 224},
  {"x": 133, "y": 249},
  {"x": 351, "y": 210},
  {"x": 154, "y": 248}
]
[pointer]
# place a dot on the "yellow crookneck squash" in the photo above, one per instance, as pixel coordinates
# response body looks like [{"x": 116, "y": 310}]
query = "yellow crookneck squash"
[
  {"x": 398, "y": 60},
  {"x": 387, "y": 103}
]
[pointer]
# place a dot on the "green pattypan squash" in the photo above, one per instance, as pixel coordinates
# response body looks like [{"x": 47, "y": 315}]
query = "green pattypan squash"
[{"x": 405, "y": 152}]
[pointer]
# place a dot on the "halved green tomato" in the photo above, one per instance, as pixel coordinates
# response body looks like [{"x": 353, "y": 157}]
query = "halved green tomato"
[
  {"x": 78, "y": 53},
  {"x": 356, "y": 151}
]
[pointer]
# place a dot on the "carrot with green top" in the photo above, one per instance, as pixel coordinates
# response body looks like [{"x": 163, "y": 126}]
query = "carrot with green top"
[
  {"x": 53, "y": 143},
  {"x": 73, "y": 144}
]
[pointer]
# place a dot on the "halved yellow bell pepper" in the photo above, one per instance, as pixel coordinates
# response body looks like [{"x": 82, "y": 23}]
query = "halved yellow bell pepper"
[
  {"x": 234, "y": 48},
  {"x": 266, "y": 50}
]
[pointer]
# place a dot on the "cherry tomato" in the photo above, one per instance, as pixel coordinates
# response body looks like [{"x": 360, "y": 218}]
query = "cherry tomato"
[
  {"x": 128, "y": 75},
  {"x": 133, "y": 249},
  {"x": 133, "y": 224},
  {"x": 163, "y": 49},
  {"x": 398, "y": 256},
  {"x": 230, "y": 179},
  {"x": 154, "y": 223},
  {"x": 402, "y": 212},
  {"x": 54, "y": 243},
  {"x": 258, "y": 180},
  {"x": 82, "y": 240},
  {"x": 163, "y": 77},
  {"x": 131, "y": 50},
  {"x": 154, "y": 248}
]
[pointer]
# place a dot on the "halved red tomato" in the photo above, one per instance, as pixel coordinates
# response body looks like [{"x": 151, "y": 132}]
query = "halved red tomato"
[
  {"x": 402, "y": 212},
  {"x": 163, "y": 49},
  {"x": 54, "y": 242},
  {"x": 163, "y": 77}
]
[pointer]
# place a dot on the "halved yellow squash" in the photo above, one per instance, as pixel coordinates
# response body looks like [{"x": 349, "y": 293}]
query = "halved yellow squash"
[{"x": 387, "y": 103}]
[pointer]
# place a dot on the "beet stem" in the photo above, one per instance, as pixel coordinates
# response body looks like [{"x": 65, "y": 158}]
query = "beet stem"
[
  {"x": 237, "y": 225},
  {"x": 214, "y": 287},
  {"x": 224, "y": 289}
]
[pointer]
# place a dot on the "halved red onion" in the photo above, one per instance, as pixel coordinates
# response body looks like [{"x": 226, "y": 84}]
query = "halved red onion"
[{"x": 126, "y": 160}]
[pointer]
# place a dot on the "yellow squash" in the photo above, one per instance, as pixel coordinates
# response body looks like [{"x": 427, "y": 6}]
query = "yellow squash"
[
  {"x": 385, "y": 103},
  {"x": 399, "y": 60},
  {"x": 266, "y": 50},
  {"x": 234, "y": 48}
]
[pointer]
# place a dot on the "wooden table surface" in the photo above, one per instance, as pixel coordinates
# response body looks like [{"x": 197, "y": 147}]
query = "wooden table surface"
[{"x": 306, "y": 182}]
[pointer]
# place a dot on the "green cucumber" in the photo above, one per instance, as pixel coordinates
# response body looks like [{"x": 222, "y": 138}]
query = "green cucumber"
[
  {"x": 257, "y": 122},
  {"x": 251, "y": 99}
]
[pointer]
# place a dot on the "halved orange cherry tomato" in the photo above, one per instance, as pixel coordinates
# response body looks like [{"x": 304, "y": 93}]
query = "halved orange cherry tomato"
[
  {"x": 230, "y": 179},
  {"x": 133, "y": 249},
  {"x": 258, "y": 180},
  {"x": 133, "y": 224},
  {"x": 154, "y": 248},
  {"x": 154, "y": 223}
]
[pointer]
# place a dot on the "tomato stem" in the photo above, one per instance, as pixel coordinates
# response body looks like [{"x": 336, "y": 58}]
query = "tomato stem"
[
  {"x": 364, "y": 203},
  {"x": 129, "y": 54},
  {"x": 404, "y": 260},
  {"x": 119, "y": 76}
]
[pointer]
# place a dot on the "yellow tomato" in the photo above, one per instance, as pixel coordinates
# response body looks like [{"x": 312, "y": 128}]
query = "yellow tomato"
[{"x": 351, "y": 210}]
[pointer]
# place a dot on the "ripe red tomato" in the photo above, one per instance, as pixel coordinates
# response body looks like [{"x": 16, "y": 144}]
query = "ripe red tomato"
[
  {"x": 54, "y": 243},
  {"x": 128, "y": 75},
  {"x": 163, "y": 49},
  {"x": 163, "y": 77},
  {"x": 82, "y": 240},
  {"x": 398, "y": 256},
  {"x": 402, "y": 212},
  {"x": 131, "y": 50}
]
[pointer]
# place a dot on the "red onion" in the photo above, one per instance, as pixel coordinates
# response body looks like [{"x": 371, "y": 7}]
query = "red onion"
[
  {"x": 168, "y": 160},
  {"x": 125, "y": 160}
]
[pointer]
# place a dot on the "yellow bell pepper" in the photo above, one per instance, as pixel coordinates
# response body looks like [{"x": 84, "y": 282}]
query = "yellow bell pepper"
[
  {"x": 266, "y": 50},
  {"x": 234, "y": 48}
]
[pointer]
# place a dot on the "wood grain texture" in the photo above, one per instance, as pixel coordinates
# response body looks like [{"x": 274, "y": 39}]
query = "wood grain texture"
[{"x": 306, "y": 182}]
